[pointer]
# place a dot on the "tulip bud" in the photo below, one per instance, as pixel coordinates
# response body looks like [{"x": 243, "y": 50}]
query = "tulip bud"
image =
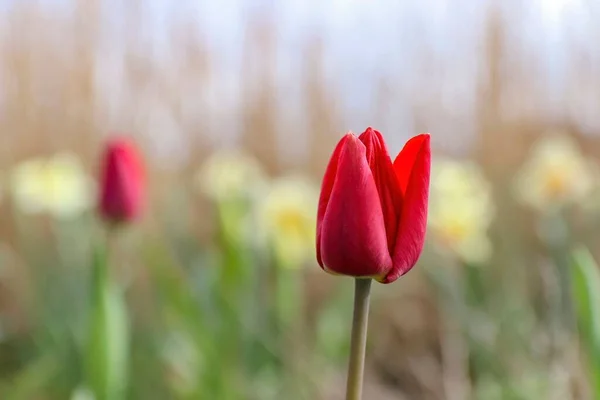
[
  {"x": 372, "y": 213},
  {"x": 122, "y": 182}
]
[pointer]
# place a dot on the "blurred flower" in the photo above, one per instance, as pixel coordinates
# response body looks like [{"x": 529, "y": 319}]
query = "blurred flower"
[
  {"x": 556, "y": 174},
  {"x": 229, "y": 175},
  {"x": 82, "y": 393},
  {"x": 233, "y": 180},
  {"x": 372, "y": 213},
  {"x": 461, "y": 209},
  {"x": 288, "y": 215},
  {"x": 122, "y": 190},
  {"x": 57, "y": 185}
]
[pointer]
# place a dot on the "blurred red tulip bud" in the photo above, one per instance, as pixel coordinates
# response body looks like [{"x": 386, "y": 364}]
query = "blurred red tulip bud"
[
  {"x": 122, "y": 182},
  {"x": 372, "y": 213}
]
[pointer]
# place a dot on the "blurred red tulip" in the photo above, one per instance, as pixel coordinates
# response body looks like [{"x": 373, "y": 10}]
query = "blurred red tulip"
[
  {"x": 372, "y": 213},
  {"x": 122, "y": 190}
]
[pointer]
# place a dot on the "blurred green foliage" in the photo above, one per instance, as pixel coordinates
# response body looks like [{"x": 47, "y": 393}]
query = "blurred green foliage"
[
  {"x": 152, "y": 311},
  {"x": 586, "y": 290}
]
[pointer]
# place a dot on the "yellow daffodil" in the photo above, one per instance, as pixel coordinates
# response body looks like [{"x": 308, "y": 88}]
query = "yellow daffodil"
[
  {"x": 288, "y": 217},
  {"x": 57, "y": 186},
  {"x": 460, "y": 209},
  {"x": 556, "y": 174}
]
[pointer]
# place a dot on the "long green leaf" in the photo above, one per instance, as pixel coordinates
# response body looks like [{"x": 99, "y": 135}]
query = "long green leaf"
[{"x": 586, "y": 293}]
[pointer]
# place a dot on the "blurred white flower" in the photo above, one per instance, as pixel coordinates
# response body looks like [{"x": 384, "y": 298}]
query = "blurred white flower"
[
  {"x": 58, "y": 186},
  {"x": 556, "y": 174},
  {"x": 82, "y": 393},
  {"x": 228, "y": 175},
  {"x": 234, "y": 181},
  {"x": 288, "y": 217},
  {"x": 461, "y": 209}
]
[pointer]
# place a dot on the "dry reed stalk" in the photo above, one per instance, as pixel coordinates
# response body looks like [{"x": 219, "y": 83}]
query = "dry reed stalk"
[
  {"x": 324, "y": 125},
  {"x": 259, "y": 130}
]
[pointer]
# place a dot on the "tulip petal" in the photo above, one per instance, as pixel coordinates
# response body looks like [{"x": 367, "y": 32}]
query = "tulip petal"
[
  {"x": 413, "y": 169},
  {"x": 385, "y": 179},
  {"x": 122, "y": 182},
  {"x": 352, "y": 230},
  {"x": 326, "y": 188},
  {"x": 404, "y": 162}
]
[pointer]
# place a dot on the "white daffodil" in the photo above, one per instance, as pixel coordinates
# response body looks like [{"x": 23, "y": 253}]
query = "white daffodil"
[
  {"x": 234, "y": 181},
  {"x": 58, "y": 186},
  {"x": 461, "y": 209},
  {"x": 288, "y": 218},
  {"x": 230, "y": 175},
  {"x": 556, "y": 174}
]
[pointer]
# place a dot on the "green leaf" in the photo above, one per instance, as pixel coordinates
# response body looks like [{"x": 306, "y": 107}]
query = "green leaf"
[
  {"x": 586, "y": 296},
  {"x": 108, "y": 336}
]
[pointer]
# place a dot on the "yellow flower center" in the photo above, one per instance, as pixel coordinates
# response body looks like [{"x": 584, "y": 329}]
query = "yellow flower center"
[
  {"x": 454, "y": 231},
  {"x": 291, "y": 221},
  {"x": 556, "y": 183}
]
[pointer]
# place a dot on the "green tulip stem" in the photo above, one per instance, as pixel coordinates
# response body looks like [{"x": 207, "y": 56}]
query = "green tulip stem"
[{"x": 358, "y": 341}]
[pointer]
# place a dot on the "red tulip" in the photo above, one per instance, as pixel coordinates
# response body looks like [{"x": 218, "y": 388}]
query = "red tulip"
[
  {"x": 373, "y": 213},
  {"x": 122, "y": 191}
]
